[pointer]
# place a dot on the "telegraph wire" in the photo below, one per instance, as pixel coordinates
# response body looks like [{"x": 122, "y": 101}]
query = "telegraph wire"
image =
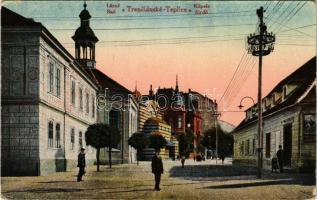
[
  {"x": 286, "y": 19},
  {"x": 155, "y": 28},
  {"x": 172, "y": 42},
  {"x": 162, "y": 39},
  {"x": 235, "y": 91},
  {"x": 294, "y": 29},
  {"x": 238, "y": 77},
  {"x": 279, "y": 16},
  {"x": 234, "y": 75},
  {"x": 290, "y": 29},
  {"x": 293, "y": 15}
]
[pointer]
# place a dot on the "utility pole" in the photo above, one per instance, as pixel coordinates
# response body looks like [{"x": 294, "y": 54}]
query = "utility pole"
[
  {"x": 260, "y": 44},
  {"x": 216, "y": 114}
]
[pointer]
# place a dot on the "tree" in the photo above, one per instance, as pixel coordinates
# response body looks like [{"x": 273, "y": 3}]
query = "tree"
[
  {"x": 113, "y": 138},
  {"x": 156, "y": 141},
  {"x": 96, "y": 137},
  {"x": 225, "y": 140},
  {"x": 185, "y": 142},
  {"x": 138, "y": 141}
]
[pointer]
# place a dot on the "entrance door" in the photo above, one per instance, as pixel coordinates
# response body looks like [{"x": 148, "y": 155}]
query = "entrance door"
[{"x": 287, "y": 144}]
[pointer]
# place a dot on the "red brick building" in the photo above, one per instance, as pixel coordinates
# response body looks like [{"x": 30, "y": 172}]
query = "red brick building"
[{"x": 183, "y": 110}]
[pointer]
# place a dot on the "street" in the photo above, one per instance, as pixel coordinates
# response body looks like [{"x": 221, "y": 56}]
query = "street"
[{"x": 198, "y": 180}]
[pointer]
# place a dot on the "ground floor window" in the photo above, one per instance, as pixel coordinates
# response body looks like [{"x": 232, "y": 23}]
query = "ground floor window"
[
  {"x": 58, "y": 136},
  {"x": 72, "y": 139},
  {"x": 80, "y": 139},
  {"x": 268, "y": 145},
  {"x": 50, "y": 133}
]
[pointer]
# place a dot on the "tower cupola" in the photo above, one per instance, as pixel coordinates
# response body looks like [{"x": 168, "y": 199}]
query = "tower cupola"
[{"x": 85, "y": 41}]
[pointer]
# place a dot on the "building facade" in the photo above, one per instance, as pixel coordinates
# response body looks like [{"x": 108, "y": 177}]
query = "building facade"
[
  {"x": 289, "y": 119},
  {"x": 115, "y": 104},
  {"x": 48, "y": 100},
  {"x": 184, "y": 111}
]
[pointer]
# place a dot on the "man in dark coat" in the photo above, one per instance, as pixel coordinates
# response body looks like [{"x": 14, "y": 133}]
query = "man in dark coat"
[
  {"x": 157, "y": 169},
  {"x": 81, "y": 164},
  {"x": 280, "y": 158}
]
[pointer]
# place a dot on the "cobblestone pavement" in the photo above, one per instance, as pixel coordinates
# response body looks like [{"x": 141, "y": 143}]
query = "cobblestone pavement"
[{"x": 198, "y": 180}]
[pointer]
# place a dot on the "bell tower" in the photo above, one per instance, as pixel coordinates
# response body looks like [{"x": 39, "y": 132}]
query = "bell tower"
[{"x": 85, "y": 41}]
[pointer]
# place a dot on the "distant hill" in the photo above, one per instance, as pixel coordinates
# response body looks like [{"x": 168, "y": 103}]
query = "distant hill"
[{"x": 226, "y": 126}]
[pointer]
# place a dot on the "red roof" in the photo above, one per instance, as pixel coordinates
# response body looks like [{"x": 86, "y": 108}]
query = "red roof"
[{"x": 105, "y": 81}]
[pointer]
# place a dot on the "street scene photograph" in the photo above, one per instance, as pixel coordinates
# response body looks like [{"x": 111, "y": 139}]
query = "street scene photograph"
[{"x": 158, "y": 99}]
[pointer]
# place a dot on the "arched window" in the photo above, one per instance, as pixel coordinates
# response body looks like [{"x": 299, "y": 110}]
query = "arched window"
[
  {"x": 58, "y": 136},
  {"x": 50, "y": 134}
]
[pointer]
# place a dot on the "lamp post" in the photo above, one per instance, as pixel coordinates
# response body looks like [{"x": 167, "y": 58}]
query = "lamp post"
[
  {"x": 260, "y": 44},
  {"x": 188, "y": 128},
  {"x": 246, "y": 97}
]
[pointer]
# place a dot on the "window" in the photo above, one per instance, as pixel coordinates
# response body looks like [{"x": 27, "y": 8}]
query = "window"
[
  {"x": 87, "y": 103},
  {"x": 72, "y": 139},
  {"x": 93, "y": 106},
  {"x": 81, "y": 99},
  {"x": 73, "y": 92},
  {"x": 58, "y": 136},
  {"x": 50, "y": 134},
  {"x": 284, "y": 92},
  {"x": 114, "y": 117},
  {"x": 242, "y": 148},
  {"x": 50, "y": 77},
  {"x": 268, "y": 145},
  {"x": 253, "y": 147},
  {"x": 247, "y": 147},
  {"x": 309, "y": 124},
  {"x": 58, "y": 82},
  {"x": 179, "y": 122},
  {"x": 80, "y": 139}
]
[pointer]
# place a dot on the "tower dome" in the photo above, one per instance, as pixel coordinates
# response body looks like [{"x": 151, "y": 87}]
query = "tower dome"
[{"x": 85, "y": 40}]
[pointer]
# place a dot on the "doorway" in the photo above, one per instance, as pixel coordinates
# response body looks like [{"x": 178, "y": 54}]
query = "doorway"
[{"x": 287, "y": 144}]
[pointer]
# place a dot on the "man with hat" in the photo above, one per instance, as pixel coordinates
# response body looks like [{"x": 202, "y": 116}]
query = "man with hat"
[
  {"x": 81, "y": 164},
  {"x": 157, "y": 169}
]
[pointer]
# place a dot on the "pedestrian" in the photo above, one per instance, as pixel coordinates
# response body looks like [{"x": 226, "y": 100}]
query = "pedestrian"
[
  {"x": 274, "y": 163},
  {"x": 280, "y": 158},
  {"x": 183, "y": 161},
  {"x": 157, "y": 169},
  {"x": 222, "y": 157},
  {"x": 81, "y": 164}
]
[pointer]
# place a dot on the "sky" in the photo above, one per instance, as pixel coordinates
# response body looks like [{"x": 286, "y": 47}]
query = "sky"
[{"x": 204, "y": 50}]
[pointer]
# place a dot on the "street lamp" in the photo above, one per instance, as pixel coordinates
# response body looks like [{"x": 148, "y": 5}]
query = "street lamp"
[
  {"x": 188, "y": 125},
  {"x": 246, "y": 97},
  {"x": 260, "y": 44}
]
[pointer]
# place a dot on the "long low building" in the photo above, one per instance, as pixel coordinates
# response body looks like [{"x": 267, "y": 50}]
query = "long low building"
[{"x": 289, "y": 119}]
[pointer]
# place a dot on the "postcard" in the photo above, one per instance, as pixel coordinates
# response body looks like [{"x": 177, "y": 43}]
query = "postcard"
[{"x": 158, "y": 99}]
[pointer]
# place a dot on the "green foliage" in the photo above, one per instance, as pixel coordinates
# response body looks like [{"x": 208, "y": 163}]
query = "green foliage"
[
  {"x": 157, "y": 141},
  {"x": 185, "y": 143},
  {"x": 225, "y": 140},
  {"x": 98, "y": 136},
  {"x": 138, "y": 141}
]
